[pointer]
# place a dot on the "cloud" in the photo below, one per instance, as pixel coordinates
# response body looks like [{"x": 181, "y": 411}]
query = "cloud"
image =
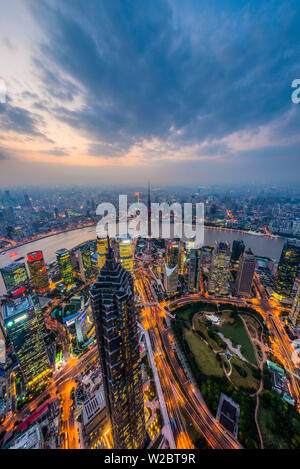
[{"x": 19, "y": 120}]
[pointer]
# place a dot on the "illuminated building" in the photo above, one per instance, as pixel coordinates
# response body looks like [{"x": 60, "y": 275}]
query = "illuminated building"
[
  {"x": 171, "y": 268},
  {"x": 295, "y": 312},
  {"x": 193, "y": 270},
  {"x": 238, "y": 247},
  {"x": 102, "y": 251},
  {"x": 181, "y": 259},
  {"x": 245, "y": 274},
  {"x": 14, "y": 276},
  {"x": 287, "y": 270},
  {"x": 23, "y": 329},
  {"x": 94, "y": 419},
  {"x": 125, "y": 254},
  {"x": 85, "y": 263},
  {"x": 115, "y": 316},
  {"x": 38, "y": 271},
  {"x": 65, "y": 267},
  {"x": 218, "y": 283},
  {"x": 84, "y": 327}
]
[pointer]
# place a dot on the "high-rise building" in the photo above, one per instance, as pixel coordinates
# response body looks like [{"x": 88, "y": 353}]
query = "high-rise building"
[
  {"x": 23, "y": 329},
  {"x": 65, "y": 267},
  {"x": 245, "y": 274},
  {"x": 14, "y": 276},
  {"x": 171, "y": 268},
  {"x": 238, "y": 247},
  {"x": 193, "y": 270},
  {"x": 181, "y": 259},
  {"x": 125, "y": 253},
  {"x": 287, "y": 270},
  {"x": 85, "y": 263},
  {"x": 295, "y": 312},
  {"x": 38, "y": 271},
  {"x": 102, "y": 251},
  {"x": 115, "y": 316},
  {"x": 218, "y": 283}
]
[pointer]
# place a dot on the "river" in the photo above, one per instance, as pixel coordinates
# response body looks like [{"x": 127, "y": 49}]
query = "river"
[{"x": 261, "y": 245}]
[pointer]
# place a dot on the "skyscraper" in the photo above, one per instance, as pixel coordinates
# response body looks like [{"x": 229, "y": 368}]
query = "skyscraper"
[
  {"x": 102, "y": 251},
  {"x": 295, "y": 312},
  {"x": 245, "y": 274},
  {"x": 238, "y": 247},
  {"x": 65, "y": 267},
  {"x": 14, "y": 276},
  {"x": 22, "y": 325},
  {"x": 287, "y": 270},
  {"x": 38, "y": 271},
  {"x": 171, "y": 268},
  {"x": 218, "y": 282},
  {"x": 126, "y": 254},
  {"x": 85, "y": 263},
  {"x": 112, "y": 301},
  {"x": 193, "y": 270}
]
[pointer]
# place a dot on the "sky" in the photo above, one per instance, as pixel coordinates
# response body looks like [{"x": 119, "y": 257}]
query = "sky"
[{"x": 122, "y": 91}]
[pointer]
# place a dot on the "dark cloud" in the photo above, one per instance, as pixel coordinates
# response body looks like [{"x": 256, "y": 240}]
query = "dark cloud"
[
  {"x": 209, "y": 69},
  {"x": 20, "y": 120}
]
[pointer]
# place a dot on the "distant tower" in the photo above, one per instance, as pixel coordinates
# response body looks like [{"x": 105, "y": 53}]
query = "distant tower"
[
  {"x": 193, "y": 270},
  {"x": 238, "y": 247},
  {"x": 245, "y": 274},
  {"x": 218, "y": 282},
  {"x": 115, "y": 316}
]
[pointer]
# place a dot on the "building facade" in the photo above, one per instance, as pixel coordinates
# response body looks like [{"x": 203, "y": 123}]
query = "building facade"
[
  {"x": 218, "y": 283},
  {"x": 112, "y": 301},
  {"x": 65, "y": 267},
  {"x": 243, "y": 284},
  {"x": 287, "y": 270},
  {"x": 38, "y": 271}
]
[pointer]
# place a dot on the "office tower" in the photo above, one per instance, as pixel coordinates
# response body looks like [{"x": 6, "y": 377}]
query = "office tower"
[
  {"x": 14, "y": 276},
  {"x": 287, "y": 270},
  {"x": 38, "y": 271},
  {"x": 238, "y": 247},
  {"x": 193, "y": 270},
  {"x": 22, "y": 326},
  {"x": 126, "y": 254},
  {"x": 171, "y": 268},
  {"x": 181, "y": 259},
  {"x": 85, "y": 263},
  {"x": 295, "y": 312},
  {"x": 112, "y": 301},
  {"x": 27, "y": 201},
  {"x": 102, "y": 251},
  {"x": 56, "y": 212},
  {"x": 218, "y": 283},
  {"x": 65, "y": 267},
  {"x": 245, "y": 274}
]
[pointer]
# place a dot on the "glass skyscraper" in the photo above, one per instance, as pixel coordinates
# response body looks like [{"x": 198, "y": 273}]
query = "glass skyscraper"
[
  {"x": 23, "y": 329},
  {"x": 38, "y": 271},
  {"x": 112, "y": 301},
  {"x": 102, "y": 251},
  {"x": 65, "y": 267},
  {"x": 287, "y": 270},
  {"x": 14, "y": 276}
]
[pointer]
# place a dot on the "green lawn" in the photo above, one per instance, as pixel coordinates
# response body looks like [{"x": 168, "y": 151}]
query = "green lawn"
[
  {"x": 266, "y": 418},
  {"x": 238, "y": 336},
  {"x": 205, "y": 358}
]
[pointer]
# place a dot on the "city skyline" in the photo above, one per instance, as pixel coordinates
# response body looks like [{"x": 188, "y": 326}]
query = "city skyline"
[{"x": 194, "y": 93}]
